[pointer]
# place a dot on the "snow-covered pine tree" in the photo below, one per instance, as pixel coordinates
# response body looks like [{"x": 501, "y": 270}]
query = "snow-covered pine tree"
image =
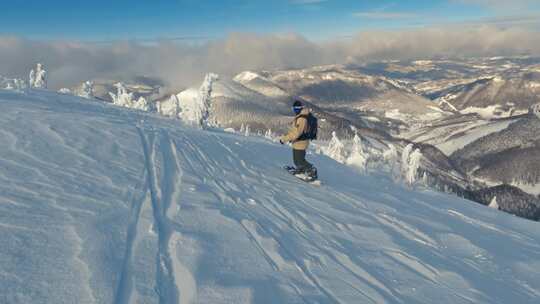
[
  {"x": 336, "y": 149},
  {"x": 19, "y": 84},
  {"x": 535, "y": 109},
  {"x": 390, "y": 158},
  {"x": 32, "y": 78},
  {"x": 405, "y": 154},
  {"x": 425, "y": 179},
  {"x": 142, "y": 104},
  {"x": 413, "y": 166},
  {"x": 12, "y": 84},
  {"x": 87, "y": 89},
  {"x": 196, "y": 110},
  {"x": 247, "y": 131},
  {"x": 358, "y": 157},
  {"x": 170, "y": 107},
  {"x": 38, "y": 77},
  {"x": 493, "y": 204},
  {"x": 269, "y": 134},
  {"x": 204, "y": 100},
  {"x": 124, "y": 99}
]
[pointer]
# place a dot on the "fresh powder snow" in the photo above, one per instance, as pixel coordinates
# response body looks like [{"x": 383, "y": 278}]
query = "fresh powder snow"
[{"x": 106, "y": 204}]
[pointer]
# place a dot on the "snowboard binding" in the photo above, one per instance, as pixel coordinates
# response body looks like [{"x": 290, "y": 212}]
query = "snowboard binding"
[{"x": 308, "y": 175}]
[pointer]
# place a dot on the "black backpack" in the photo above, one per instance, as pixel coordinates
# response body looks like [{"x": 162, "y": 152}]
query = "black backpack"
[{"x": 312, "y": 128}]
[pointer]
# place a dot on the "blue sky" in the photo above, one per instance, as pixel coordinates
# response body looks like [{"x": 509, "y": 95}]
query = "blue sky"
[{"x": 315, "y": 19}]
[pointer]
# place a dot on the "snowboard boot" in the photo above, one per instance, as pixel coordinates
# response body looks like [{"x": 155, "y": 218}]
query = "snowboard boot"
[{"x": 312, "y": 173}]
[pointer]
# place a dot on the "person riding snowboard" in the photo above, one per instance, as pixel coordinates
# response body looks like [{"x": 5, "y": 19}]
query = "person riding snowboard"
[{"x": 303, "y": 129}]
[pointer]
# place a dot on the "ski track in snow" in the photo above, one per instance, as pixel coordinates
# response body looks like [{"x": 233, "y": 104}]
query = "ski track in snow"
[
  {"x": 174, "y": 282},
  {"x": 212, "y": 218}
]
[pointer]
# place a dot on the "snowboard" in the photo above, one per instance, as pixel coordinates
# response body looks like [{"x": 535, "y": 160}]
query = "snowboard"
[{"x": 302, "y": 176}]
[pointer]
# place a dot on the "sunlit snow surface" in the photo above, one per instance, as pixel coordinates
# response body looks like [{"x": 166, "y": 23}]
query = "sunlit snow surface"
[{"x": 100, "y": 204}]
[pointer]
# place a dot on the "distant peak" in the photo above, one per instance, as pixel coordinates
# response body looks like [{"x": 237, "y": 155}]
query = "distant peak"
[{"x": 246, "y": 76}]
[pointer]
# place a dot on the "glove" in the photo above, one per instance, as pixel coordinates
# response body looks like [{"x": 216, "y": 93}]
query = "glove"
[{"x": 281, "y": 142}]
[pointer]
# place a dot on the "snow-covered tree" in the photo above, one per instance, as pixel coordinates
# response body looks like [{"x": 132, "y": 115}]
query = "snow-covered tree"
[
  {"x": 86, "y": 90},
  {"x": 170, "y": 107},
  {"x": 405, "y": 154},
  {"x": 425, "y": 179},
  {"x": 391, "y": 159},
  {"x": 336, "y": 149},
  {"x": 196, "y": 109},
  {"x": 413, "y": 166},
  {"x": 493, "y": 204},
  {"x": 358, "y": 157},
  {"x": 535, "y": 109},
  {"x": 390, "y": 155},
  {"x": 38, "y": 77},
  {"x": 247, "y": 131},
  {"x": 124, "y": 99},
  {"x": 14, "y": 84},
  {"x": 268, "y": 134}
]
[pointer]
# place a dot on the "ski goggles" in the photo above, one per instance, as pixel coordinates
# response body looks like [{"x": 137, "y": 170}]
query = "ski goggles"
[{"x": 297, "y": 109}]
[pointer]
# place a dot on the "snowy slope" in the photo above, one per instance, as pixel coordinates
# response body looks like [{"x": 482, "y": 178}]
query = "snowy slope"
[
  {"x": 338, "y": 88},
  {"x": 100, "y": 204},
  {"x": 454, "y": 134}
]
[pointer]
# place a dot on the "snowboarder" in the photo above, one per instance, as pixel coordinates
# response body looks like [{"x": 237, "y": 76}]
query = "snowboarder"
[{"x": 303, "y": 129}]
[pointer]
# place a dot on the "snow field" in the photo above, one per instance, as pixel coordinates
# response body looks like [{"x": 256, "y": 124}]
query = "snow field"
[{"x": 101, "y": 204}]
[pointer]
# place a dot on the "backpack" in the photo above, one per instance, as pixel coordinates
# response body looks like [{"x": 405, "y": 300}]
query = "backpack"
[{"x": 311, "y": 128}]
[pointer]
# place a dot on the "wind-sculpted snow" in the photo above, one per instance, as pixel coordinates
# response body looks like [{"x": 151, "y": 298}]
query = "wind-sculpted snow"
[{"x": 102, "y": 204}]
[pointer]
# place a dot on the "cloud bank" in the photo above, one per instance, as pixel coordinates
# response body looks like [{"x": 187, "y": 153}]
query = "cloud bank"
[{"x": 182, "y": 65}]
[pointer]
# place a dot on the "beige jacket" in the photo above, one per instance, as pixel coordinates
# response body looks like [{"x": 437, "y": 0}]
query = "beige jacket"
[{"x": 299, "y": 126}]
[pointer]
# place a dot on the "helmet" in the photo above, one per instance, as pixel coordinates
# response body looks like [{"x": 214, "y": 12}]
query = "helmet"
[{"x": 297, "y": 107}]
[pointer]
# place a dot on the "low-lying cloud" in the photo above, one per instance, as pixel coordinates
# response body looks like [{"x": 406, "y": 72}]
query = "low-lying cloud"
[{"x": 181, "y": 65}]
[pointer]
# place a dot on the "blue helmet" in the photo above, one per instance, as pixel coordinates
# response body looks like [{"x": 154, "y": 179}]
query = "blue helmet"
[{"x": 297, "y": 107}]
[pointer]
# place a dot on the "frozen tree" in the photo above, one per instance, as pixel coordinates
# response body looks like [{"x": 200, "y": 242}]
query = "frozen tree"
[
  {"x": 38, "y": 77},
  {"x": 142, "y": 104},
  {"x": 413, "y": 166},
  {"x": 170, "y": 107},
  {"x": 196, "y": 109},
  {"x": 425, "y": 179},
  {"x": 87, "y": 89},
  {"x": 405, "y": 154},
  {"x": 205, "y": 94},
  {"x": 268, "y": 134},
  {"x": 124, "y": 99},
  {"x": 494, "y": 203},
  {"x": 535, "y": 109},
  {"x": 336, "y": 149},
  {"x": 358, "y": 157},
  {"x": 390, "y": 157},
  {"x": 14, "y": 84}
]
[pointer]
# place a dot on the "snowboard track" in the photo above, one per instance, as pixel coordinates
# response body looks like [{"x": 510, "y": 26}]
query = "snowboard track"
[
  {"x": 292, "y": 221},
  {"x": 163, "y": 185}
]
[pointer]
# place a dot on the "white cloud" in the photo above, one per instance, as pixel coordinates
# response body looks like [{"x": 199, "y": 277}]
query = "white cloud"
[{"x": 182, "y": 65}]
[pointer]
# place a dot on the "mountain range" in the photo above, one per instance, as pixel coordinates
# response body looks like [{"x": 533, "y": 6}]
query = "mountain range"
[{"x": 471, "y": 118}]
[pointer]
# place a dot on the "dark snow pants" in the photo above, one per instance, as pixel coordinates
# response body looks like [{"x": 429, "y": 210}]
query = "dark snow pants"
[{"x": 300, "y": 162}]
